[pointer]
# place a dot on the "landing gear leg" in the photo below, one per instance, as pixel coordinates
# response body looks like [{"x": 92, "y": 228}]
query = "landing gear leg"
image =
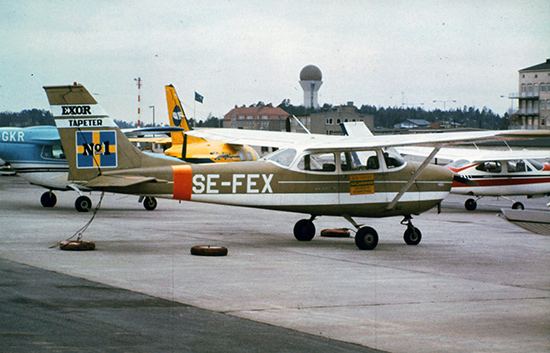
[
  {"x": 412, "y": 235},
  {"x": 304, "y": 229},
  {"x": 516, "y": 205}
]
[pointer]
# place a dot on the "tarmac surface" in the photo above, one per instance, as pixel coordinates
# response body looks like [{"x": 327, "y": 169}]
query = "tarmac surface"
[{"x": 475, "y": 283}]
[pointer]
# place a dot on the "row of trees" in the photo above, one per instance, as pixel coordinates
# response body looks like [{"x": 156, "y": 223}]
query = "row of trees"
[{"x": 384, "y": 118}]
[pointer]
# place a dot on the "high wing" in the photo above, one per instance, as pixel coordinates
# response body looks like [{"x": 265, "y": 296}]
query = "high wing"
[
  {"x": 257, "y": 137},
  {"x": 475, "y": 155},
  {"x": 313, "y": 142},
  {"x": 152, "y": 134}
]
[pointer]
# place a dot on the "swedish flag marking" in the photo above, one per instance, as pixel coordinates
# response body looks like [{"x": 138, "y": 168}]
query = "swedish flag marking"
[{"x": 96, "y": 149}]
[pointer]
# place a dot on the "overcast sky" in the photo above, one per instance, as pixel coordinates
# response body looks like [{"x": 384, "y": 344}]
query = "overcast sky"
[{"x": 380, "y": 53}]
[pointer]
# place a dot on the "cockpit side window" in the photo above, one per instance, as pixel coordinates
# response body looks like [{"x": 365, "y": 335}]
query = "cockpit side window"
[
  {"x": 317, "y": 162},
  {"x": 490, "y": 167},
  {"x": 518, "y": 166},
  {"x": 53, "y": 152}
]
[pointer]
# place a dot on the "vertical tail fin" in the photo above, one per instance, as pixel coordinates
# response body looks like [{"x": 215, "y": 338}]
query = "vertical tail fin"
[
  {"x": 92, "y": 141},
  {"x": 176, "y": 115}
]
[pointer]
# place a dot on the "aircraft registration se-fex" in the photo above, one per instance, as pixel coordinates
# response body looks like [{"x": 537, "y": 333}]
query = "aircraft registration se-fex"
[{"x": 311, "y": 174}]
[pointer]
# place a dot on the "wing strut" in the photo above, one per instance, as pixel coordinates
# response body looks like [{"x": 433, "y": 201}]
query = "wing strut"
[{"x": 413, "y": 178}]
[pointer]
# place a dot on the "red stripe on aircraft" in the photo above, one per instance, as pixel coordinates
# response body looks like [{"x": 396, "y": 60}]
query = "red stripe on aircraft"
[
  {"x": 504, "y": 181},
  {"x": 183, "y": 178}
]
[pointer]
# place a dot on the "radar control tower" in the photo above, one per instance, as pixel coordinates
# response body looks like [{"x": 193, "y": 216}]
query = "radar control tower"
[{"x": 311, "y": 81}]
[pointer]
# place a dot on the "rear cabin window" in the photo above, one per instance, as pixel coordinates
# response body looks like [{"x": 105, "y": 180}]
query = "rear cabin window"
[{"x": 362, "y": 160}]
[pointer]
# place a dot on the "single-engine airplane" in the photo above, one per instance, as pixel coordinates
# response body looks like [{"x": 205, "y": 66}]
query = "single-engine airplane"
[
  {"x": 504, "y": 174},
  {"x": 315, "y": 174},
  {"x": 36, "y": 154},
  {"x": 195, "y": 149},
  {"x": 495, "y": 173}
]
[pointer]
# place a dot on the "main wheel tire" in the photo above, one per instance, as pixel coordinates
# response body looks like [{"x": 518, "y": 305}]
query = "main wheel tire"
[
  {"x": 150, "y": 203},
  {"x": 470, "y": 204},
  {"x": 304, "y": 230},
  {"x": 48, "y": 199},
  {"x": 412, "y": 236},
  {"x": 518, "y": 206},
  {"x": 366, "y": 238},
  {"x": 83, "y": 204},
  {"x": 209, "y": 250}
]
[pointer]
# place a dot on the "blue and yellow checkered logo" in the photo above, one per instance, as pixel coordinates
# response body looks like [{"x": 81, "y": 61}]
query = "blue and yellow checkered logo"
[{"x": 96, "y": 149}]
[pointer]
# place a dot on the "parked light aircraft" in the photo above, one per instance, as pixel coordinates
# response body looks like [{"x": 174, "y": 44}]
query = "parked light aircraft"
[
  {"x": 490, "y": 172},
  {"x": 36, "y": 154},
  {"x": 315, "y": 174},
  {"x": 195, "y": 149}
]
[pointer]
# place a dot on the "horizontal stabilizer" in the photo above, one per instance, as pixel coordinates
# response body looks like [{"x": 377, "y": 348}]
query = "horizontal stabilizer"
[{"x": 106, "y": 181}]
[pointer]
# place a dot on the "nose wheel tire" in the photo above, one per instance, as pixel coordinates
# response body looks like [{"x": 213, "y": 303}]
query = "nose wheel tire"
[
  {"x": 48, "y": 199},
  {"x": 304, "y": 230},
  {"x": 366, "y": 238},
  {"x": 470, "y": 204},
  {"x": 518, "y": 206},
  {"x": 412, "y": 236},
  {"x": 83, "y": 204}
]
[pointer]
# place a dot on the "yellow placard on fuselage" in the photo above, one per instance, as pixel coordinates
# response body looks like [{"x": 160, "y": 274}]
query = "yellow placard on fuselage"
[{"x": 361, "y": 184}]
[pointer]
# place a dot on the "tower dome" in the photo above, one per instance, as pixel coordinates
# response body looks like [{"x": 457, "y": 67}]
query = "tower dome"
[{"x": 311, "y": 73}]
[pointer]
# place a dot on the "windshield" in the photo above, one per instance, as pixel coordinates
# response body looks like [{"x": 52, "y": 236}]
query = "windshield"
[
  {"x": 459, "y": 163},
  {"x": 393, "y": 159},
  {"x": 537, "y": 165},
  {"x": 283, "y": 157}
]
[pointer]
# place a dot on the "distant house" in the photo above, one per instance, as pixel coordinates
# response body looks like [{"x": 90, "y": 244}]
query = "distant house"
[
  {"x": 259, "y": 117},
  {"x": 413, "y": 124}
]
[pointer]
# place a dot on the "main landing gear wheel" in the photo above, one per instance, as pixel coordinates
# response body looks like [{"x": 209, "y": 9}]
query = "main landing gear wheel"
[
  {"x": 412, "y": 236},
  {"x": 470, "y": 204},
  {"x": 304, "y": 230},
  {"x": 150, "y": 203},
  {"x": 48, "y": 199},
  {"x": 366, "y": 238},
  {"x": 83, "y": 204},
  {"x": 518, "y": 206}
]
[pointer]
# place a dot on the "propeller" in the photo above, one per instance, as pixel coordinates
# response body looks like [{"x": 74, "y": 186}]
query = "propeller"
[{"x": 461, "y": 179}]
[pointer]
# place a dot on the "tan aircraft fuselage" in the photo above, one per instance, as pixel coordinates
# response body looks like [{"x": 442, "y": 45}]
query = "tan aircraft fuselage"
[{"x": 264, "y": 184}]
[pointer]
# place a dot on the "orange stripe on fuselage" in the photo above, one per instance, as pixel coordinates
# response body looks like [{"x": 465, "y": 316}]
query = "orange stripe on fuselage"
[{"x": 183, "y": 178}]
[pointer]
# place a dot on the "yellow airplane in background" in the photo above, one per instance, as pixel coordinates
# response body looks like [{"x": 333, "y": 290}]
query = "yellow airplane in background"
[{"x": 195, "y": 149}]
